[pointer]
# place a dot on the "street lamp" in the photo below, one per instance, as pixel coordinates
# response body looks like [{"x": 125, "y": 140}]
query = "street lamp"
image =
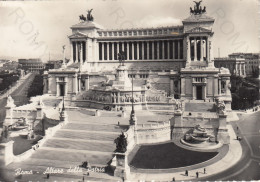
[{"x": 132, "y": 115}]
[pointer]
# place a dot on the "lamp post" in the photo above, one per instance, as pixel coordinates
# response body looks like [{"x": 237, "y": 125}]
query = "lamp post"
[{"x": 132, "y": 116}]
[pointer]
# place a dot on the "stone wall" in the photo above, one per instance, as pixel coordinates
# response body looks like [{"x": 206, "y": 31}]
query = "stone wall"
[{"x": 153, "y": 133}]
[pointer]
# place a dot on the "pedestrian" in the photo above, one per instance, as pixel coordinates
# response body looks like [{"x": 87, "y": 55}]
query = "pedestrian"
[
  {"x": 48, "y": 176},
  {"x": 83, "y": 179},
  {"x": 173, "y": 179},
  {"x": 197, "y": 174},
  {"x": 237, "y": 128},
  {"x": 204, "y": 170},
  {"x": 186, "y": 173},
  {"x": 118, "y": 123}
]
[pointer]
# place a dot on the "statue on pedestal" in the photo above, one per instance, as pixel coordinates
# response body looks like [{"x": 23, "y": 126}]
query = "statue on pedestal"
[
  {"x": 221, "y": 107},
  {"x": 197, "y": 9},
  {"x": 121, "y": 57},
  {"x": 121, "y": 143},
  {"x": 88, "y": 18}
]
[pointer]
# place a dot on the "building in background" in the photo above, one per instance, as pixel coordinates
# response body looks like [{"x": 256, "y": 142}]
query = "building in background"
[
  {"x": 53, "y": 64},
  {"x": 9, "y": 66},
  {"x": 251, "y": 62},
  {"x": 236, "y": 66},
  {"x": 31, "y": 65}
]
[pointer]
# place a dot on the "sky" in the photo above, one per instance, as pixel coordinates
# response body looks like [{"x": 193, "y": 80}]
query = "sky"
[{"x": 39, "y": 29}]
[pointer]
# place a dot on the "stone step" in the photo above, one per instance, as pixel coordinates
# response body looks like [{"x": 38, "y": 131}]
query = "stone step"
[
  {"x": 161, "y": 107},
  {"x": 80, "y": 145},
  {"x": 200, "y": 107},
  {"x": 89, "y": 127},
  {"x": 85, "y": 135},
  {"x": 73, "y": 156}
]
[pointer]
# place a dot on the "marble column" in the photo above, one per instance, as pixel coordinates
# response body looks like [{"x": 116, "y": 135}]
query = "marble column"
[
  {"x": 152, "y": 50},
  {"x": 168, "y": 49},
  {"x": 77, "y": 52},
  {"x": 182, "y": 86},
  {"x": 117, "y": 48},
  {"x": 163, "y": 56},
  {"x": 201, "y": 49},
  {"x": 102, "y": 50},
  {"x": 138, "y": 50},
  {"x": 195, "y": 49},
  {"x": 108, "y": 44},
  {"x": 113, "y": 51},
  {"x": 158, "y": 56},
  {"x": 207, "y": 49},
  {"x": 128, "y": 53},
  {"x": 173, "y": 49},
  {"x": 179, "y": 49},
  {"x": 133, "y": 51},
  {"x": 211, "y": 56},
  {"x": 148, "y": 50},
  {"x": 57, "y": 89},
  {"x": 188, "y": 52},
  {"x": 142, "y": 50},
  {"x": 194, "y": 92},
  {"x": 71, "y": 51},
  {"x": 81, "y": 52}
]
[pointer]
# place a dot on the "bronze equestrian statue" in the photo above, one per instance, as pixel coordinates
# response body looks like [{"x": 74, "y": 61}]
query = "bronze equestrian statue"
[
  {"x": 89, "y": 15},
  {"x": 197, "y": 8},
  {"x": 88, "y": 18}
]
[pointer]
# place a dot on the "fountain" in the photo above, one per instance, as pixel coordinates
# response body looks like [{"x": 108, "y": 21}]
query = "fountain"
[
  {"x": 199, "y": 138},
  {"x": 198, "y": 135}
]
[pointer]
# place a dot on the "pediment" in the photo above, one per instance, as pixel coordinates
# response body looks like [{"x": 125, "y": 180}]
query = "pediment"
[
  {"x": 78, "y": 35},
  {"x": 198, "y": 30}
]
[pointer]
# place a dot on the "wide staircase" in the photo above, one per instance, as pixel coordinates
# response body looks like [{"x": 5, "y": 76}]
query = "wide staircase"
[{"x": 75, "y": 143}]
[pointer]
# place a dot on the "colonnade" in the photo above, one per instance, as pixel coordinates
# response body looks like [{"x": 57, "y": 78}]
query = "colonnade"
[
  {"x": 79, "y": 51},
  {"x": 240, "y": 69},
  {"x": 198, "y": 48},
  {"x": 142, "y": 50}
]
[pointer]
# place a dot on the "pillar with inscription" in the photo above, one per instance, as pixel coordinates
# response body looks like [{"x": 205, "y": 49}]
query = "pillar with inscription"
[{"x": 176, "y": 125}]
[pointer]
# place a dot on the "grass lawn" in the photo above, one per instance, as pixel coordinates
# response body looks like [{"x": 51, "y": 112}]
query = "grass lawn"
[
  {"x": 21, "y": 144},
  {"x": 168, "y": 155}
]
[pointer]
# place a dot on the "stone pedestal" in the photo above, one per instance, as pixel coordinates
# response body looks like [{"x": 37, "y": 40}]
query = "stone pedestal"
[
  {"x": 222, "y": 120},
  {"x": 176, "y": 125},
  {"x": 222, "y": 130},
  {"x": 122, "y": 169},
  {"x": 6, "y": 153},
  {"x": 64, "y": 116}
]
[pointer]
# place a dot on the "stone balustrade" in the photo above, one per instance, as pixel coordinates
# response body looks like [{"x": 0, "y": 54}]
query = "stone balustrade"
[{"x": 175, "y": 30}]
